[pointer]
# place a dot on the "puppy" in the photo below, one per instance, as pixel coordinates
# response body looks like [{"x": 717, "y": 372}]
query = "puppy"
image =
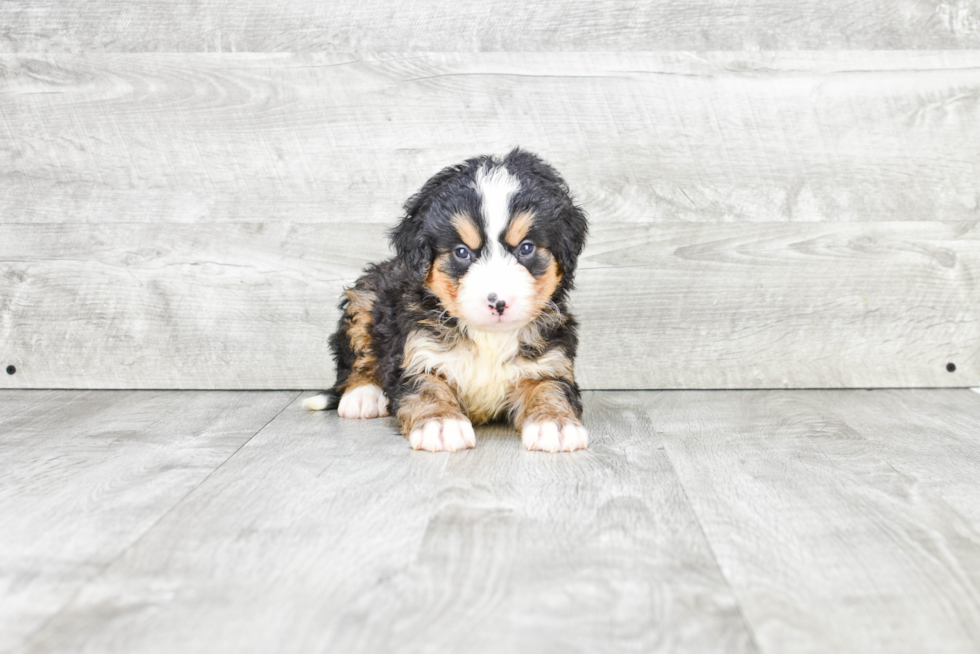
[{"x": 468, "y": 323}]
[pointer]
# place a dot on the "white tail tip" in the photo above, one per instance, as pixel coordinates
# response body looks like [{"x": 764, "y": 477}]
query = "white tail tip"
[{"x": 316, "y": 403}]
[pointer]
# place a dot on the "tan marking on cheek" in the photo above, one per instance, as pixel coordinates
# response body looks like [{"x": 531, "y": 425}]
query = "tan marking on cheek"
[
  {"x": 545, "y": 285},
  {"x": 467, "y": 230},
  {"x": 444, "y": 286},
  {"x": 433, "y": 400},
  {"x": 520, "y": 225},
  {"x": 542, "y": 401}
]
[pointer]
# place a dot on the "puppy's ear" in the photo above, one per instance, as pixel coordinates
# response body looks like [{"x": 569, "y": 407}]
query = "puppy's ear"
[
  {"x": 413, "y": 242},
  {"x": 570, "y": 237},
  {"x": 412, "y": 245}
]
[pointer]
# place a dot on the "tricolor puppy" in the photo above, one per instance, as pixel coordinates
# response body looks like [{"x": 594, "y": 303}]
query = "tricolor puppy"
[{"x": 468, "y": 323}]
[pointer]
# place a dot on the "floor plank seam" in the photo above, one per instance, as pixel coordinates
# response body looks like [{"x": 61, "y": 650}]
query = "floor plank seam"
[
  {"x": 150, "y": 529},
  {"x": 721, "y": 571}
]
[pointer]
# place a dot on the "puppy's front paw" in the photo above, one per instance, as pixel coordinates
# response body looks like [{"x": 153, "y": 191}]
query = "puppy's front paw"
[
  {"x": 443, "y": 436},
  {"x": 552, "y": 437},
  {"x": 366, "y": 401}
]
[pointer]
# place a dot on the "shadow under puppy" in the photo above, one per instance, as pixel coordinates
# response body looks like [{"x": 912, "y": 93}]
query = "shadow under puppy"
[{"x": 468, "y": 323}]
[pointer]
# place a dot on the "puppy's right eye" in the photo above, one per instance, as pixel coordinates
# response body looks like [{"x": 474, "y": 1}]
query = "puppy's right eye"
[{"x": 462, "y": 253}]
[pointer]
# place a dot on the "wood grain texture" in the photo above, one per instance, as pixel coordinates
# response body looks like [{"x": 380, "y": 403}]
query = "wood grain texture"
[
  {"x": 84, "y": 476},
  {"x": 641, "y": 137},
  {"x": 835, "y": 534},
  {"x": 467, "y": 25},
  {"x": 324, "y": 534},
  {"x": 661, "y": 306},
  {"x": 903, "y": 428}
]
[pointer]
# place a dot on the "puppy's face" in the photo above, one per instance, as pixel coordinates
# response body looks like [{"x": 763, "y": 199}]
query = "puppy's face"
[{"x": 496, "y": 239}]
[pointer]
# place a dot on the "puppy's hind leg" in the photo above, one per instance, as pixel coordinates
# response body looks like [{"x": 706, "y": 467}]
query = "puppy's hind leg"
[
  {"x": 357, "y": 393},
  {"x": 366, "y": 401}
]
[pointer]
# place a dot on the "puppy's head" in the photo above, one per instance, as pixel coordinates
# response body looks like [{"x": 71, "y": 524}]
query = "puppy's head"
[{"x": 495, "y": 240}]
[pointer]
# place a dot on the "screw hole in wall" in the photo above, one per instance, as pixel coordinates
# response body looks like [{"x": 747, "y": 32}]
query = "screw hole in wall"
[
  {"x": 11, "y": 370},
  {"x": 951, "y": 367}
]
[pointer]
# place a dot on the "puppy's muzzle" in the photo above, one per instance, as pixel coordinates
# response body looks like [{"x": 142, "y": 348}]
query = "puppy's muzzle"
[{"x": 496, "y": 305}]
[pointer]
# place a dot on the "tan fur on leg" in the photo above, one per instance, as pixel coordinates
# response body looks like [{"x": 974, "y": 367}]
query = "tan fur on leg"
[
  {"x": 364, "y": 368},
  {"x": 434, "y": 400},
  {"x": 545, "y": 418},
  {"x": 432, "y": 420},
  {"x": 541, "y": 400},
  {"x": 361, "y": 394}
]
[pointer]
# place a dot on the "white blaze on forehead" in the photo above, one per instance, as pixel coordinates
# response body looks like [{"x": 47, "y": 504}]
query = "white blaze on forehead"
[
  {"x": 496, "y": 186},
  {"x": 496, "y": 271}
]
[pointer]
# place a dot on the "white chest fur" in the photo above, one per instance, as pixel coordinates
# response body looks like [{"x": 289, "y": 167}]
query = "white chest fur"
[{"x": 483, "y": 370}]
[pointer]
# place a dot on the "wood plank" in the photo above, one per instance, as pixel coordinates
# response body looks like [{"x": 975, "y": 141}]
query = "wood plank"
[
  {"x": 662, "y": 306},
  {"x": 329, "y": 535},
  {"x": 470, "y": 25},
  {"x": 781, "y": 306},
  {"x": 932, "y": 437},
  {"x": 830, "y": 541},
  {"x": 84, "y": 476},
  {"x": 641, "y": 137}
]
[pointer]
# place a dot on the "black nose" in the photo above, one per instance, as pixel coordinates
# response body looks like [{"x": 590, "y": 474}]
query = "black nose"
[{"x": 495, "y": 304}]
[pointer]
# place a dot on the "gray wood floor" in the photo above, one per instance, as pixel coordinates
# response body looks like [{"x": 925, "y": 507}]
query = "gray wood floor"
[{"x": 761, "y": 521}]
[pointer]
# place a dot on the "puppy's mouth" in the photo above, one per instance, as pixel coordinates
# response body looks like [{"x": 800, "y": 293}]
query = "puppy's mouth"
[{"x": 497, "y": 322}]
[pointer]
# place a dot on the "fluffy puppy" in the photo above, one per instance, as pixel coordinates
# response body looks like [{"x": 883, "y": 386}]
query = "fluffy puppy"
[{"x": 468, "y": 323}]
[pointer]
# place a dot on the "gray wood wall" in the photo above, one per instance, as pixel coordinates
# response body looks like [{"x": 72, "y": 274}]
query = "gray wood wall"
[{"x": 783, "y": 194}]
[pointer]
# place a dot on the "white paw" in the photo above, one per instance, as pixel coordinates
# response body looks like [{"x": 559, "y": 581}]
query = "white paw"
[
  {"x": 552, "y": 437},
  {"x": 366, "y": 401},
  {"x": 443, "y": 436}
]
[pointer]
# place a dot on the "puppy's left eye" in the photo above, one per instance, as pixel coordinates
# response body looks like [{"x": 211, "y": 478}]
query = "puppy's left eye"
[{"x": 526, "y": 248}]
